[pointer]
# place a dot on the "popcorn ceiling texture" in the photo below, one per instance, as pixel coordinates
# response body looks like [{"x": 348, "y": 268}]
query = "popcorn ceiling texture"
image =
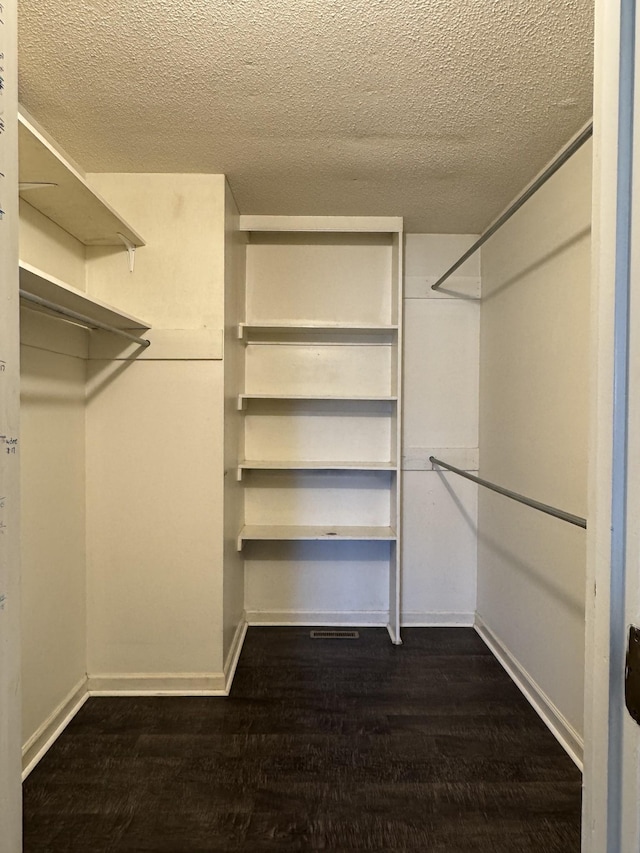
[{"x": 435, "y": 110}]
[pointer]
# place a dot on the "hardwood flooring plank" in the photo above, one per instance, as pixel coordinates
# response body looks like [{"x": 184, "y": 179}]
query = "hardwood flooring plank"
[{"x": 323, "y": 745}]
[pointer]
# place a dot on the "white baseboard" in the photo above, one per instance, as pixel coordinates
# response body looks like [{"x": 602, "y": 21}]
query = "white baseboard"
[
  {"x": 558, "y": 725},
  {"x": 157, "y": 684},
  {"x": 366, "y": 619},
  {"x": 332, "y": 619},
  {"x": 437, "y": 619},
  {"x": 172, "y": 683},
  {"x": 137, "y": 684},
  {"x": 53, "y": 726},
  {"x": 231, "y": 663}
]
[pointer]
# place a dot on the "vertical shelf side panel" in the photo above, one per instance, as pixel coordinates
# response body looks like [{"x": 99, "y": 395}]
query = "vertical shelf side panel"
[
  {"x": 233, "y": 366},
  {"x": 395, "y": 564}
]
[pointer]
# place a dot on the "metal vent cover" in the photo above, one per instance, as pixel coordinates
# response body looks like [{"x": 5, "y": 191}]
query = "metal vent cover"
[{"x": 334, "y": 635}]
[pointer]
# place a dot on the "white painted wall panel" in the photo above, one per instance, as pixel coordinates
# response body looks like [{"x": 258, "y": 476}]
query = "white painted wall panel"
[
  {"x": 332, "y": 370},
  {"x": 53, "y": 529},
  {"x": 44, "y": 245},
  {"x": 177, "y": 283},
  {"x": 10, "y": 788},
  {"x": 534, "y": 433},
  {"x": 324, "y": 498},
  {"x": 346, "y": 279},
  {"x": 441, "y": 373},
  {"x": 155, "y": 458},
  {"x": 313, "y": 582},
  {"x": 53, "y": 484},
  {"x": 441, "y": 352},
  {"x": 440, "y": 549},
  {"x": 314, "y": 431},
  {"x": 154, "y": 498}
]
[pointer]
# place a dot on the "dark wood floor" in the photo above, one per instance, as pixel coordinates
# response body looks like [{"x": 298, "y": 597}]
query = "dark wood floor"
[{"x": 329, "y": 745}]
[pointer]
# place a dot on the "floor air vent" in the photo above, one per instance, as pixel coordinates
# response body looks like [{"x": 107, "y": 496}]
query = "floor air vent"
[{"x": 335, "y": 635}]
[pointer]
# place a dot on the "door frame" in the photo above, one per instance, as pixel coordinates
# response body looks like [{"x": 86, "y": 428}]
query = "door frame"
[{"x": 611, "y": 782}]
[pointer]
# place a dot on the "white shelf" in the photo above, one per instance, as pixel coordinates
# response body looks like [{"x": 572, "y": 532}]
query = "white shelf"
[
  {"x": 351, "y": 398},
  {"x": 279, "y": 327},
  {"x": 70, "y": 202},
  {"x": 276, "y": 465},
  {"x": 48, "y": 287},
  {"x": 335, "y": 224},
  {"x": 289, "y": 533},
  {"x": 261, "y": 465}
]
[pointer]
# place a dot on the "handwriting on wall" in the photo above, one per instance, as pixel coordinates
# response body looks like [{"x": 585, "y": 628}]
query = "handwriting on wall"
[{"x": 9, "y": 444}]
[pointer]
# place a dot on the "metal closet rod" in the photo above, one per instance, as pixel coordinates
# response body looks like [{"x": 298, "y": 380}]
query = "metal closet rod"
[
  {"x": 81, "y": 318},
  {"x": 533, "y": 188},
  {"x": 550, "y": 510}
]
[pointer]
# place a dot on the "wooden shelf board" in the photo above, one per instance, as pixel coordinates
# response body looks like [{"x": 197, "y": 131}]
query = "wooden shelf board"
[
  {"x": 338, "y": 333},
  {"x": 48, "y": 287},
  {"x": 337, "y": 224},
  {"x": 315, "y": 465},
  {"x": 328, "y": 397},
  {"x": 251, "y": 532},
  {"x": 71, "y": 203},
  {"x": 276, "y": 326}
]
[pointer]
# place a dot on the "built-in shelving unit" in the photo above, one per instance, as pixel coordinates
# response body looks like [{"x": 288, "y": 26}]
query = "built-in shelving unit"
[
  {"x": 54, "y": 185},
  {"x": 48, "y": 287},
  {"x": 322, "y": 399}
]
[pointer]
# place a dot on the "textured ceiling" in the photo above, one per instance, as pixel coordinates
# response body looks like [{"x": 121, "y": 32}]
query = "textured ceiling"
[{"x": 435, "y": 110}]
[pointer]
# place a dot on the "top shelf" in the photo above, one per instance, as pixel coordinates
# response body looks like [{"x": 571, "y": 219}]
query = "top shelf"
[
  {"x": 328, "y": 224},
  {"x": 292, "y": 328},
  {"x": 71, "y": 203}
]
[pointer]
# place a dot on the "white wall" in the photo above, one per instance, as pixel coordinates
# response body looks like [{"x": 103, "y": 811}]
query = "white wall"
[
  {"x": 155, "y": 444},
  {"x": 441, "y": 354},
  {"x": 533, "y": 437},
  {"x": 10, "y": 789},
  {"x": 53, "y": 530},
  {"x": 44, "y": 245},
  {"x": 52, "y": 471}
]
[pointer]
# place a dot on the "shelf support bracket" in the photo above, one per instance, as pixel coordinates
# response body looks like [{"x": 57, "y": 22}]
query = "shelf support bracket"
[
  {"x": 35, "y": 185},
  {"x": 131, "y": 250}
]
